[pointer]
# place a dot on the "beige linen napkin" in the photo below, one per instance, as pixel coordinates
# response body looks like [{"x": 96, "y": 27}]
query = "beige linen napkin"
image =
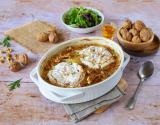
[
  {"x": 80, "y": 111},
  {"x": 26, "y": 35}
]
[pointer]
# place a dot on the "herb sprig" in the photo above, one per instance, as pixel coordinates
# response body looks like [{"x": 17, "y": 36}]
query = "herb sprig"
[
  {"x": 14, "y": 85},
  {"x": 6, "y": 41}
]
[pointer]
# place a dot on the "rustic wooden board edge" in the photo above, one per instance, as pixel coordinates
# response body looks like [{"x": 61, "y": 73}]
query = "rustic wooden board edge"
[{"x": 122, "y": 85}]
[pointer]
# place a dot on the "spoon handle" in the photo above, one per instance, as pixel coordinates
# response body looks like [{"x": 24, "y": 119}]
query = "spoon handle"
[{"x": 132, "y": 101}]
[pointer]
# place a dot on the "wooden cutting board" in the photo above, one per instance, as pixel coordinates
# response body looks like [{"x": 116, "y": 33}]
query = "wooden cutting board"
[{"x": 122, "y": 86}]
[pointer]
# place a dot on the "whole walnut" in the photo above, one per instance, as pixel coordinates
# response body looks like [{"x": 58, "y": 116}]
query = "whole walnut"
[
  {"x": 15, "y": 66},
  {"x": 136, "y": 39},
  {"x": 129, "y": 36},
  {"x": 123, "y": 31},
  {"x": 22, "y": 58},
  {"x": 42, "y": 37},
  {"x": 53, "y": 37},
  {"x": 134, "y": 32},
  {"x": 138, "y": 25},
  {"x": 145, "y": 34},
  {"x": 127, "y": 24}
]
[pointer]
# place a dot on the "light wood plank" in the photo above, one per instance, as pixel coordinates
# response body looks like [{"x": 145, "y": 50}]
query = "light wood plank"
[{"x": 25, "y": 105}]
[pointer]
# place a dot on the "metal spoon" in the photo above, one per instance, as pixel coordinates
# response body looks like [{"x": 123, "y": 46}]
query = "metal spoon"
[{"x": 145, "y": 71}]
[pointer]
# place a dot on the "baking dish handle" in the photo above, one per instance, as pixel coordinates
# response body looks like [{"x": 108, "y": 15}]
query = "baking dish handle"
[
  {"x": 66, "y": 98},
  {"x": 34, "y": 78},
  {"x": 126, "y": 60}
]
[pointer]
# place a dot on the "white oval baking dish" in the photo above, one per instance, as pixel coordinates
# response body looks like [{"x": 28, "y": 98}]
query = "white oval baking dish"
[{"x": 83, "y": 94}]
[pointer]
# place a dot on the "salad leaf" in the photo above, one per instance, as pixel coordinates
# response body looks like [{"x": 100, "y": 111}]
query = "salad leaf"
[{"x": 82, "y": 17}]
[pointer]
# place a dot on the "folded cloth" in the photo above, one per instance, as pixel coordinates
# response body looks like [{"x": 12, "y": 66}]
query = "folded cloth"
[
  {"x": 80, "y": 111},
  {"x": 27, "y": 33}
]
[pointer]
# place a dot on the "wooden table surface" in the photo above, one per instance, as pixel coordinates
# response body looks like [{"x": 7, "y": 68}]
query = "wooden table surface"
[{"x": 26, "y": 106}]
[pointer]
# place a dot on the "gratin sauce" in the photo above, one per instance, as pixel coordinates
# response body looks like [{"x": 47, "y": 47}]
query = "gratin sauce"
[{"x": 71, "y": 54}]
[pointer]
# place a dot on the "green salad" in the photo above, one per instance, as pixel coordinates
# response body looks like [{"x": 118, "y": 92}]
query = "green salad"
[{"x": 82, "y": 17}]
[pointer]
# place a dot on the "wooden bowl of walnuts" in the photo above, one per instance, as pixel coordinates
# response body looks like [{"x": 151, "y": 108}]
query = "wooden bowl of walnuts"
[{"x": 134, "y": 36}]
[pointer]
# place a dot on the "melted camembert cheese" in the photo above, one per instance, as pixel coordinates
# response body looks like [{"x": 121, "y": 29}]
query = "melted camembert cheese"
[
  {"x": 96, "y": 57},
  {"x": 66, "y": 74}
]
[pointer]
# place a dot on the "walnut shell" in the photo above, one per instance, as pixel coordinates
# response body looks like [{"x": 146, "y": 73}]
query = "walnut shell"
[
  {"x": 138, "y": 25},
  {"x": 128, "y": 36},
  {"x": 145, "y": 34},
  {"x": 134, "y": 32},
  {"x": 136, "y": 39},
  {"x": 15, "y": 66},
  {"x": 22, "y": 58},
  {"x": 42, "y": 37},
  {"x": 127, "y": 24},
  {"x": 123, "y": 31},
  {"x": 53, "y": 37},
  {"x": 124, "y": 36}
]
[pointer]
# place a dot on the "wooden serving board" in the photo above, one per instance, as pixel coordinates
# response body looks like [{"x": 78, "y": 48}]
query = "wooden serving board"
[
  {"x": 122, "y": 86},
  {"x": 147, "y": 51}
]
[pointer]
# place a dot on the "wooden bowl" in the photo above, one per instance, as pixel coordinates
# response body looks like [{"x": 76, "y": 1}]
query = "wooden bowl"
[
  {"x": 134, "y": 46},
  {"x": 152, "y": 49}
]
